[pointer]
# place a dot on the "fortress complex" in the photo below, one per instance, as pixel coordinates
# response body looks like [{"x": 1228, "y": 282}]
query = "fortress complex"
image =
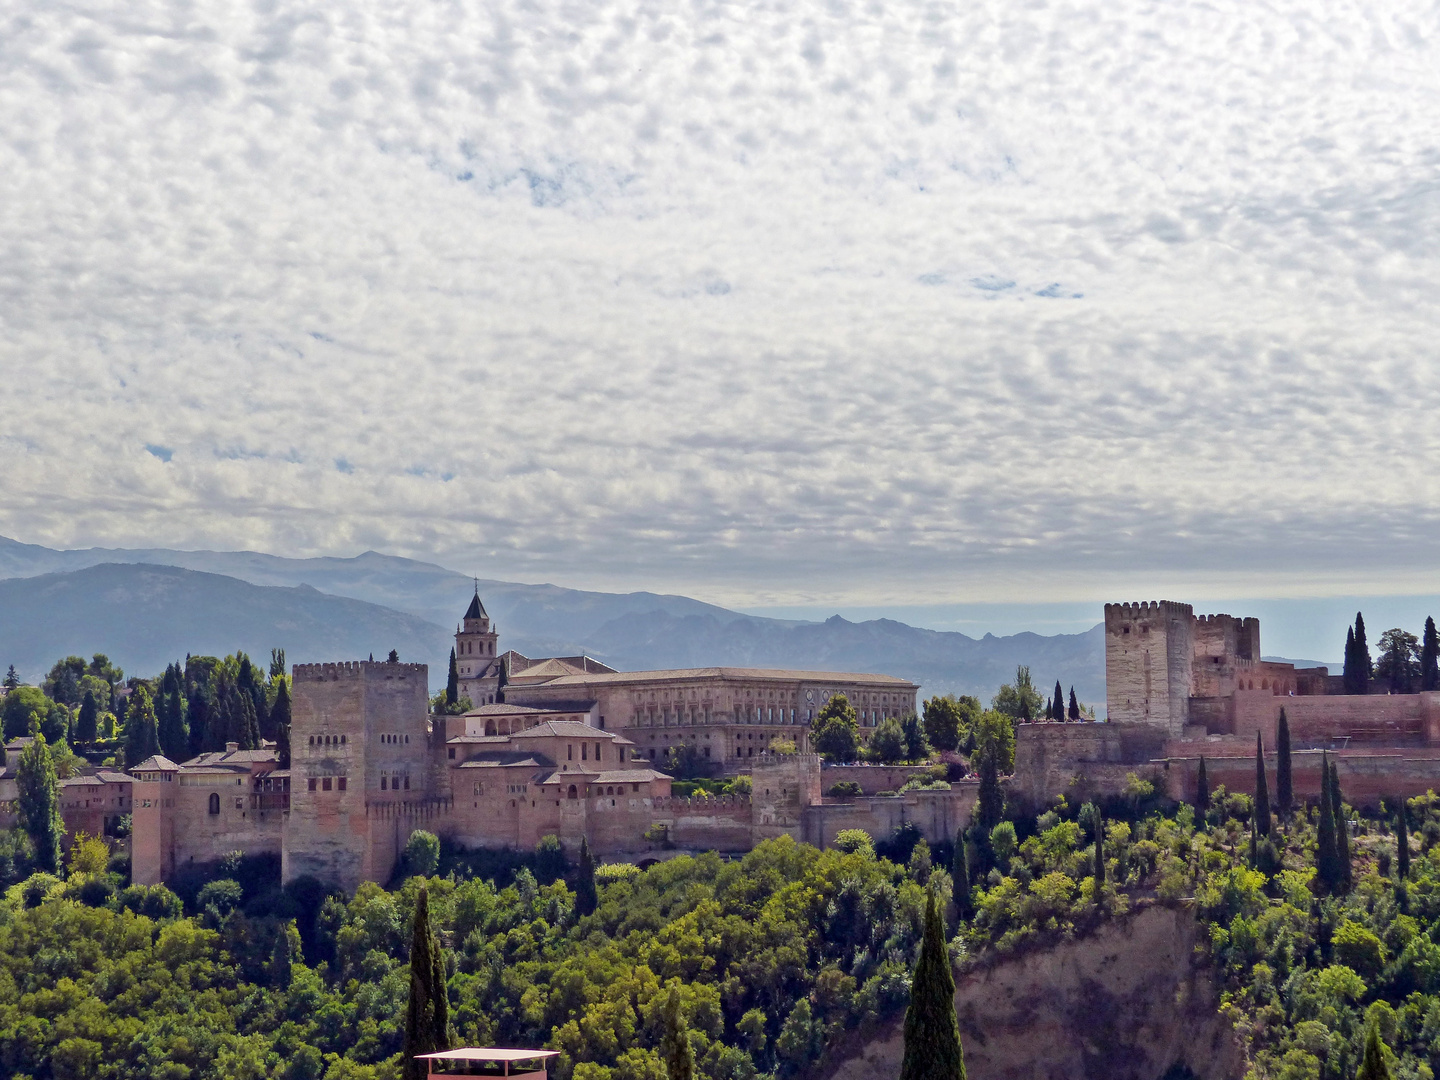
[
  {"x": 1180, "y": 686},
  {"x": 563, "y": 745}
]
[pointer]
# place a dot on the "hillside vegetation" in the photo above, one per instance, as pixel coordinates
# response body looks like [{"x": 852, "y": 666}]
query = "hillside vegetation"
[{"x": 777, "y": 955}]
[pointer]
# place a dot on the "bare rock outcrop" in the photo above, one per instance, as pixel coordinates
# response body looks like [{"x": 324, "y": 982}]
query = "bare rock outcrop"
[{"x": 1126, "y": 1003}]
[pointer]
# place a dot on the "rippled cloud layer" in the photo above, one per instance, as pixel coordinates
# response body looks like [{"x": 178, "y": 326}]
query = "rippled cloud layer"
[{"x": 770, "y": 302}]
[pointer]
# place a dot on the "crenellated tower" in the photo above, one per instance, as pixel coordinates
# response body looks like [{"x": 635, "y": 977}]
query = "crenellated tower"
[{"x": 1149, "y": 671}]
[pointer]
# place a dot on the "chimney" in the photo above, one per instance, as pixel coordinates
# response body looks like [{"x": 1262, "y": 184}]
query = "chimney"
[{"x": 231, "y": 747}]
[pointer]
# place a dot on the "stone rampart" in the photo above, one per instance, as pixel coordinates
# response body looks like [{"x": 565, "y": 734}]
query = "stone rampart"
[
  {"x": 1082, "y": 761},
  {"x": 871, "y": 778},
  {"x": 937, "y": 814},
  {"x": 1367, "y": 775}
]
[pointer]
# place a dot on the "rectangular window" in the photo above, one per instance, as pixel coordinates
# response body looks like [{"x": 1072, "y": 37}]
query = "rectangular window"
[
  {"x": 342, "y": 783},
  {"x": 407, "y": 783},
  {"x": 597, "y": 751},
  {"x": 584, "y": 751},
  {"x": 383, "y": 782},
  {"x": 311, "y": 783},
  {"x": 325, "y": 784}
]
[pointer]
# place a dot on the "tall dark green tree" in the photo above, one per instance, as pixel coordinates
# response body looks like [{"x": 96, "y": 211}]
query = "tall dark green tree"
[
  {"x": 280, "y": 716},
  {"x": 1262, "y": 790},
  {"x": 86, "y": 725},
  {"x": 990, "y": 801},
  {"x": 835, "y": 731},
  {"x": 917, "y": 747},
  {"x": 277, "y": 663},
  {"x": 1351, "y": 665},
  {"x": 280, "y": 961},
  {"x": 142, "y": 731},
  {"x": 427, "y": 1017},
  {"x": 1327, "y": 860},
  {"x": 203, "y": 717},
  {"x": 1202, "y": 790},
  {"x": 452, "y": 682},
  {"x": 1074, "y": 705},
  {"x": 1430, "y": 657},
  {"x": 174, "y": 739},
  {"x": 1372, "y": 1066},
  {"x": 1057, "y": 711},
  {"x": 39, "y": 803},
  {"x": 12, "y": 680},
  {"x": 1364, "y": 666},
  {"x": 1099, "y": 867},
  {"x": 932, "y": 1030},
  {"x": 675, "y": 1048},
  {"x": 1284, "y": 774},
  {"x": 960, "y": 876},
  {"x": 1402, "y": 838},
  {"x": 1342, "y": 831},
  {"x": 587, "y": 897}
]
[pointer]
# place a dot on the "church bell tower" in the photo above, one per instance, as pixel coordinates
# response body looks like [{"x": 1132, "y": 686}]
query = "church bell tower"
[{"x": 476, "y": 648}]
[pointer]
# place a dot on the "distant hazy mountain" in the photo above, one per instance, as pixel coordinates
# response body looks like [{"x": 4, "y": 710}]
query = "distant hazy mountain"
[
  {"x": 143, "y": 617},
  {"x": 413, "y": 606}
]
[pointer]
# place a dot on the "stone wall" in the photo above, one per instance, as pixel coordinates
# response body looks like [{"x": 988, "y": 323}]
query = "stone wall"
[
  {"x": 1398, "y": 720},
  {"x": 937, "y": 814},
  {"x": 1367, "y": 775},
  {"x": 1149, "y": 653},
  {"x": 871, "y": 778},
  {"x": 1050, "y": 757}
]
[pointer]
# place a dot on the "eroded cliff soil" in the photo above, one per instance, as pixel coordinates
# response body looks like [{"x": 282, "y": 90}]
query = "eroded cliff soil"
[{"x": 1127, "y": 1003}]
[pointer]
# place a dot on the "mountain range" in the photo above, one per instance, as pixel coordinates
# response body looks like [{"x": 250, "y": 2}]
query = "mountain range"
[{"x": 146, "y": 607}]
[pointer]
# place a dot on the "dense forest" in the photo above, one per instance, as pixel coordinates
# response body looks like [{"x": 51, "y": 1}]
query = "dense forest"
[{"x": 1321, "y": 925}]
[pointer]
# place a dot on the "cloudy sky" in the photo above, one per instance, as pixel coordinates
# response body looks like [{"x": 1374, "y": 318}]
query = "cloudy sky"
[{"x": 771, "y": 303}]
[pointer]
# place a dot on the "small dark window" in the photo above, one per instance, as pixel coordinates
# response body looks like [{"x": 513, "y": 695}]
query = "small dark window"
[
  {"x": 310, "y": 784},
  {"x": 342, "y": 783},
  {"x": 342, "y": 740},
  {"x": 325, "y": 784},
  {"x": 383, "y": 782},
  {"x": 312, "y": 740},
  {"x": 214, "y": 804},
  {"x": 407, "y": 783},
  {"x": 452, "y": 753}
]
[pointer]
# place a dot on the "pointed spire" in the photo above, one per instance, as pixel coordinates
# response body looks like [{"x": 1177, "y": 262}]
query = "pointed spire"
[{"x": 476, "y": 610}]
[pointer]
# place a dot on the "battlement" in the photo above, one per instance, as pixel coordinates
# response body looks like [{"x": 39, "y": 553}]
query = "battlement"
[
  {"x": 354, "y": 669},
  {"x": 1148, "y": 607},
  {"x": 700, "y": 802}
]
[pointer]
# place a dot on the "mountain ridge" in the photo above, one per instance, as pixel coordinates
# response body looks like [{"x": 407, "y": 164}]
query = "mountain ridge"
[{"x": 630, "y": 631}]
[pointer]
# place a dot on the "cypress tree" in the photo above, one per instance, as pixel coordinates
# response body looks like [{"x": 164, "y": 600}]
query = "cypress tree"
[
  {"x": 1402, "y": 840},
  {"x": 1284, "y": 776},
  {"x": 1099, "y": 868},
  {"x": 280, "y": 715},
  {"x": 1202, "y": 790},
  {"x": 1262, "y": 790},
  {"x": 39, "y": 803},
  {"x": 1430, "y": 657},
  {"x": 587, "y": 897},
  {"x": 452, "y": 682},
  {"x": 990, "y": 803},
  {"x": 1352, "y": 666},
  {"x": 142, "y": 732},
  {"x": 12, "y": 680},
  {"x": 1074, "y": 705},
  {"x": 1365, "y": 668},
  {"x": 280, "y": 965},
  {"x": 1327, "y": 865},
  {"x": 932, "y": 1030},
  {"x": 86, "y": 727},
  {"x": 960, "y": 874},
  {"x": 174, "y": 740},
  {"x": 202, "y": 717},
  {"x": 1372, "y": 1066},
  {"x": 675, "y": 1048},
  {"x": 427, "y": 1017},
  {"x": 1058, "y": 713},
  {"x": 1342, "y": 831}
]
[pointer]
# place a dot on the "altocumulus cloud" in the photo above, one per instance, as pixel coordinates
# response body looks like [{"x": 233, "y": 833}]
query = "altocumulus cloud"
[{"x": 774, "y": 300}]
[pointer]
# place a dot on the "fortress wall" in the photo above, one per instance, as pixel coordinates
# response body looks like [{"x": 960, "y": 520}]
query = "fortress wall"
[
  {"x": 152, "y": 832},
  {"x": 871, "y": 778},
  {"x": 1366, "y": 776},
  {"x": 239, "y": 826},
  {"x": 939, "y": 815},
  {"x": 1048, "y": 757},
  {"x": 1399, "y": 719}
]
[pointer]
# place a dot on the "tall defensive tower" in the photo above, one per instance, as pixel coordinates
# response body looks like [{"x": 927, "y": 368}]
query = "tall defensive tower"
[{"x": 1149, "y": 672}]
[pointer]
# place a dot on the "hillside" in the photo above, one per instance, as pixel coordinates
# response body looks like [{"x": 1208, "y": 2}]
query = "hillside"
[
  {"x": 143, "y": 617},
  {"x": 630, "y": 631}
]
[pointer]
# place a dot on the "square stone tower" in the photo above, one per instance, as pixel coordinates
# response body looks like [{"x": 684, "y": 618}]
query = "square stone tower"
[
  {"x": 1149, "y": 669},
  {"x": 359, "y": 745}
]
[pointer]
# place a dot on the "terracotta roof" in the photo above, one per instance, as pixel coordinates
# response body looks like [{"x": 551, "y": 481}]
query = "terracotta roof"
[
  {"x": 238, "y": 758},
  {"x": 156, "y": 763},
  {"x": 507, "y": 761},
  {"x": 607, "y": 776},
  {"x": 472, "y": 740},
  {"x": 569, "y": 728},
  {"x": 499, "y": 709},
  {"x": 774, "y": 674},
  {"x": 114, "y": 776}
]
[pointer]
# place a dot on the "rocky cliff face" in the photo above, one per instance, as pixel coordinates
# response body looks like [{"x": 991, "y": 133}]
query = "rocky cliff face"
[{"x": 1127, "y": 1003}]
